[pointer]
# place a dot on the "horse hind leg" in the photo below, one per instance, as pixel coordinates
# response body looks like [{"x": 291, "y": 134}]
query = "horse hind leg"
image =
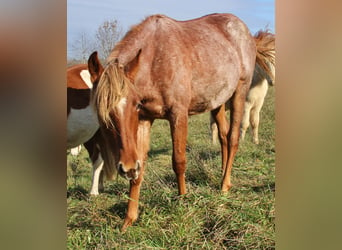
[
  {"x": 236, "y": 114},
  {"x": 255, "y": 119},
  {"x": 213, "y": 130},
  {"x": 245, "y": 119},
  {"x": 219, "y": 117}
]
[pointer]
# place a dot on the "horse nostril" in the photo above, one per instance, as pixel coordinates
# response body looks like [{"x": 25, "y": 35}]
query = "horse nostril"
[{"x": 121, "y": 168}]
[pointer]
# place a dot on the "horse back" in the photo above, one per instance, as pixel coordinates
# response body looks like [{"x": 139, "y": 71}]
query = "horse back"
[
  {"x": 196, "y": 63},
  {"x": 204, "y": 57}
]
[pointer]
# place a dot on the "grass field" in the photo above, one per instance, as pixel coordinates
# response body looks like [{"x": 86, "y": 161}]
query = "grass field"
[{"x": 203, "y": 218}]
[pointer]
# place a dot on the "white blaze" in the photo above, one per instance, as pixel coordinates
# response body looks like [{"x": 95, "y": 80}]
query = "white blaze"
[{"x": 121, "y": 105}]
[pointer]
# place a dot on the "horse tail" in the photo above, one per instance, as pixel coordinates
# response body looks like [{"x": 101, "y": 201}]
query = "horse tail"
[
  {"x": 265, "y": 44},
  {"x": 112, "y": 87}
]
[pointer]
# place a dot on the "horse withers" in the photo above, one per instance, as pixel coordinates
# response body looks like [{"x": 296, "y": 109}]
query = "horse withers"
[{"x": 168, "y": 69}]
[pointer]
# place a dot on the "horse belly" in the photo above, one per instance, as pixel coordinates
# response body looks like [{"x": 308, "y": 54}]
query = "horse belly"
[
  {"x": 81, "y": 126},
  {"x": 212, "y": 95}
]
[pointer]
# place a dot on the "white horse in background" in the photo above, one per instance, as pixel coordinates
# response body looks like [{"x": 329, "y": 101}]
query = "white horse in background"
[{"x": 254, "y": 100}]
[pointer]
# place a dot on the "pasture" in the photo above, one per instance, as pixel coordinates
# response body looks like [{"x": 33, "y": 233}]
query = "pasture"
[{"x": 203, "y": 218}]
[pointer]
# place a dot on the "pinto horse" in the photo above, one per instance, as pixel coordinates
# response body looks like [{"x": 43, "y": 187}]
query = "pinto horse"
[
  {"x": 257, "y": 92},
  {"x": 169, "y": 69},
  {"x": 82, "y": 121}
]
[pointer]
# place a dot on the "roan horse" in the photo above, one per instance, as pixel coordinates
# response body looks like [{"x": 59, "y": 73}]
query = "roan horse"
[
  {"x": 257, "y": 92},
  {"x": 168, "y": 69},
  {"x": 82, "y": 121}
]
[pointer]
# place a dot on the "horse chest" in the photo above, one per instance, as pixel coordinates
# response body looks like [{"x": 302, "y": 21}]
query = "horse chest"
[
  {"x": 152, "y": 110},
  {"x": 81, "y": 126}
]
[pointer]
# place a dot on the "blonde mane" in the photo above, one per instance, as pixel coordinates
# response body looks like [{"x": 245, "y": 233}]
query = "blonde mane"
[{"x": 112, "y": 87}]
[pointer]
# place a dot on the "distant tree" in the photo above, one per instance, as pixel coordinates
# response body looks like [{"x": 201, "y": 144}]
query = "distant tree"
[
  {"x": 83, "y": 47},
  {"x": 107, "y": 35}
]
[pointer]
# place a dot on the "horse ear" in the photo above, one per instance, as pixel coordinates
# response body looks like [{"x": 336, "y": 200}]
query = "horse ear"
[{"x": 94, "y": 66}]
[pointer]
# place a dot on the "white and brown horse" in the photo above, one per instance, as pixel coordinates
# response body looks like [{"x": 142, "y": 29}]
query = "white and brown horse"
[
  {"x": 82, "y": 121},
  {"x": 257, "y": 92},
  {"x": 168, "y": 69}
]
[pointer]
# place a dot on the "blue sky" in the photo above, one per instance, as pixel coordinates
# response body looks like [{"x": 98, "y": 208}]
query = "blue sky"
[{"x": 87, "y": 15}]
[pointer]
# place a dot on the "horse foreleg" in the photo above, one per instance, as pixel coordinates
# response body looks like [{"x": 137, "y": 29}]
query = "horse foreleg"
[
  {"x": 133, "y": 202},
  {"x": 219, "y": 116},
  {"x": 179, "y": 132},
  {"x": 94, "y": 153},
  {"x": 96, "y": 182},
  {"x": 143, "y": 141},
  {"x": 101, "y": 185},
  {"x": 236, "y": 114}
]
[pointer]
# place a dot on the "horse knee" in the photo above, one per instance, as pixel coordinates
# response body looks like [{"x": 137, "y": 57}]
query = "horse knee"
[
  {"x": 233, "y": 142},
  {"x": 179, "y": 166}
]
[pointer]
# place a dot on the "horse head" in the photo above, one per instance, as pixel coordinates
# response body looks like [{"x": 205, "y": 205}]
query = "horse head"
[{"x": 117, "y": 105}]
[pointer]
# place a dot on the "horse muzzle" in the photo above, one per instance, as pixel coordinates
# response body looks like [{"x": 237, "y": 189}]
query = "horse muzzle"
[{"x": 129, "y": 173}]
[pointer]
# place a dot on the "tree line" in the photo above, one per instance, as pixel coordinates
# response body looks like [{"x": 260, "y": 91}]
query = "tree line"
[{"x": 107, "y": 35}]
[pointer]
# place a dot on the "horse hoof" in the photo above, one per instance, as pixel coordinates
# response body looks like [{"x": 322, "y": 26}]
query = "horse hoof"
[
  {"x": 127, "y": 223},
  {"x": 94, "y": 193},
  {"x": 226, "y": 188}
]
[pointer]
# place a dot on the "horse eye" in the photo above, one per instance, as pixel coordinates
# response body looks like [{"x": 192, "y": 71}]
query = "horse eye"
[{"x": 139, "y": 106}]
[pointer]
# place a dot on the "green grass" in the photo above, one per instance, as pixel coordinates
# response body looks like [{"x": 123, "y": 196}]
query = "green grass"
[{"x": 202, "y": 219}]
